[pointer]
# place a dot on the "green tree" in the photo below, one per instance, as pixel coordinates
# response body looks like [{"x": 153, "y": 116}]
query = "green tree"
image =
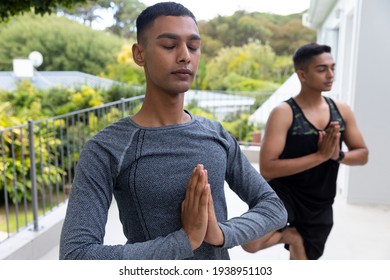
[
  {"x": 283, "y": 33},
  {"x": 64, "y": 44},
  {"x": 282, "y": 68},
  {"x": 86, "y": 12},
  {"x": 289, "y": 36},
  {"x": 242, "y": 68},
  {"x": 9, "y": 8},
  {"x": 125, "y": 15},
  {"x": 25, "y": 103},
  {"x": 125, "y": 69}
]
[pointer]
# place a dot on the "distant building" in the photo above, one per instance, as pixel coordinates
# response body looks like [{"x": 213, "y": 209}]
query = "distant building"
[
  {"x": 24, "y": 69},
  {"x": 219, "y": 103},
  {"x": 49, "y": 79}
]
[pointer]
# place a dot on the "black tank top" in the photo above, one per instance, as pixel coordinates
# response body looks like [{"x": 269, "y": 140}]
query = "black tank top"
[{"x": 316, "y": 187}]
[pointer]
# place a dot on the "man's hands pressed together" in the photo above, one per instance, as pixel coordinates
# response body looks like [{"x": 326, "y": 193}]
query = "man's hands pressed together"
[
  {"x": 329, "y": 141},
  {"x": 198, "y": 215}
]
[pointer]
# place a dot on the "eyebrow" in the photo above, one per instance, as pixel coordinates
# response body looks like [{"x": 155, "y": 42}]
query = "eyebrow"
[
  {"x": 177, "y": 37},
  {"x": 325, "y": 65}
]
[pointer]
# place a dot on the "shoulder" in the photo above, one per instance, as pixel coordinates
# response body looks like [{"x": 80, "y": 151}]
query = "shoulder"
[
  {"x": 115, "y": 129},
  {"x": 340, "y": 104},
  {"x": 344, "y": 109},
  {"x": 211, "y": 124},
  {"x": 281, "y": 113},
  {"x": 214, "y": 129},
  {"x": 283, "y": 108},
  {"x": 113, "y": 137}
]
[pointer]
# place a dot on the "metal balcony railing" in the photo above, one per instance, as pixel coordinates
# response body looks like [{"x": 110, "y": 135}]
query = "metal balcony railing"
[{"x": 37, "y": 161}]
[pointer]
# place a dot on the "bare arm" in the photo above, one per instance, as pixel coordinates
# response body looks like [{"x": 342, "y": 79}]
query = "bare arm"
[
  {"x": 357, "y": 153},
  {"x": 274, "y": 141}
]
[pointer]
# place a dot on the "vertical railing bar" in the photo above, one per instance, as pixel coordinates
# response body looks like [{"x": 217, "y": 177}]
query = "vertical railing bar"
[
  {"x": 105, "y": 116},
  {"x": 123, "y": 107},
  {"x": 48, "y": 168},
  {"x": 98, "y": 120},
  {"x": 24, "y": 176},
  {"x": 68, "y": 152},
  {"x": 33, "y": 174},
  {"x": 80, "y": 132},
  {"x": 84, "y": 129},
  {"x": 41, "y": 165},
  {"x": 3, "y": 151},
  {"x": 88, "y": 123},
  {"x": 74, "y": 144},
  {"x": 106, "y": 111},
  {"x": 104, "y": 119},
  {"x": 55, "y": 154},
  {"x": 62, "y": 161},
  {"x": 14, "y": 181}
]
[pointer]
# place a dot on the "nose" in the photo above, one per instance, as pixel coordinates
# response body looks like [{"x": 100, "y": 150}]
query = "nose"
[
  {"x": 330, "y": 72},
  {"x": 183, "y": 55}
]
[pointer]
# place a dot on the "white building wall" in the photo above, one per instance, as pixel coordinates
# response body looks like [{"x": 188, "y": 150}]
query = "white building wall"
[
  {"x": 371, "y": 102},
  {"x": 362, "y": 52}
]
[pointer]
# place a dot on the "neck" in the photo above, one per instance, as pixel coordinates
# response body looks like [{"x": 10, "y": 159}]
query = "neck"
[
  {"x": 308, "y": 97},
  {"x": 159, "y": 110}
]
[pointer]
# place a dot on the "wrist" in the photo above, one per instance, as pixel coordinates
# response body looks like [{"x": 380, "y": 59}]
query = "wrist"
[{"x": 341, "y": 156}]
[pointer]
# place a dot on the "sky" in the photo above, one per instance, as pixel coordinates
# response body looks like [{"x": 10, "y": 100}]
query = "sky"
[{"x": 208, "y": 9}]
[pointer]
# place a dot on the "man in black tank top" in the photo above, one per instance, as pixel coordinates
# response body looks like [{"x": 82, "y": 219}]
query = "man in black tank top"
[{"x": 301, "y": 153}]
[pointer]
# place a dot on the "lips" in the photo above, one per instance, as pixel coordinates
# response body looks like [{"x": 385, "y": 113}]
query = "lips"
[
  {"x": 329, "y": 84},
  {"x": 183, "y": 71}
]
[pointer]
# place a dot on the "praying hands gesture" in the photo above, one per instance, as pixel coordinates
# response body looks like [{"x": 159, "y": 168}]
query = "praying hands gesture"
[
  {"x": 329, "y": 141},
  {"x": 198, "y": 215}
]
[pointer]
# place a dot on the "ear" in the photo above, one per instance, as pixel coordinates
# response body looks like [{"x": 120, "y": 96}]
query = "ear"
[
  {"x": 301, "y": 75},
  {"x": 138, "y": 54}
]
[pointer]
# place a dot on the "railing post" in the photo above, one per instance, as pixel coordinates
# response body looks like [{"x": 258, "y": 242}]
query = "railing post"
[
  {"x": 33, "y": 176},
  {"x": 123, "y": 107}
]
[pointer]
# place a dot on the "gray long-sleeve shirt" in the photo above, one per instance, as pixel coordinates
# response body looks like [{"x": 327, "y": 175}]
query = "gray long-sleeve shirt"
[{"x": 147, "y": 170}]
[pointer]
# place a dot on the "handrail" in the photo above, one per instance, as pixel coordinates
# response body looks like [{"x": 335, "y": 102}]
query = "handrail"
[{"x": 38, "y": 159}]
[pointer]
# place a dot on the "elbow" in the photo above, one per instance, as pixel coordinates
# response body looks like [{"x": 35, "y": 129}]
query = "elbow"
[
  {"x": 67, "y": 255},
  {"x": 71, "y": 251},
  {"x": 267, "y": 175},
  {"x": 365, "y": 157},
  {"x": 361, "y": 158},
  {"x": 249, "y": 247}
]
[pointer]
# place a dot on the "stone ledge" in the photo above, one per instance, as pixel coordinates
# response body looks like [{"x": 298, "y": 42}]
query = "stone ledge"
[
  {"x": 252, "y": 153},
  {"x": 28, "y": 244}
]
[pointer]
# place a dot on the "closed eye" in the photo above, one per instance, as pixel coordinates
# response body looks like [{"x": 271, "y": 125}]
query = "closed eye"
[{"x": 194, "y": 49}]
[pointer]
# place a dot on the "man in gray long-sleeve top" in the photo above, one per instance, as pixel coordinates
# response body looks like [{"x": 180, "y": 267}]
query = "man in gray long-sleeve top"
[{"x": 165, "y": 166}]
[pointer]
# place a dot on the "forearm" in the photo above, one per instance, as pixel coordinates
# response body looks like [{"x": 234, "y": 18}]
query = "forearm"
[
  {"x": 356, "y": 157},
  {"x": 266, "y": 212},
  {"x": 268, "y": 216},
  {"x": 275, "y": 168},
  {"x": 173, "y": 246}
]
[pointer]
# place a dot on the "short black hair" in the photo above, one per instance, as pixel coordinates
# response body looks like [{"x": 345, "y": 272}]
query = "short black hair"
[
  {"x": 305, "y": 53},
  {"x": 147, "y": 16}
]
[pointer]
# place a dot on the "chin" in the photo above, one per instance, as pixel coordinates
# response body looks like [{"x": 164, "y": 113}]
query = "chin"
[
  {"x": 179, "y": 90},
  {"x": 183, "y": 88}
]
